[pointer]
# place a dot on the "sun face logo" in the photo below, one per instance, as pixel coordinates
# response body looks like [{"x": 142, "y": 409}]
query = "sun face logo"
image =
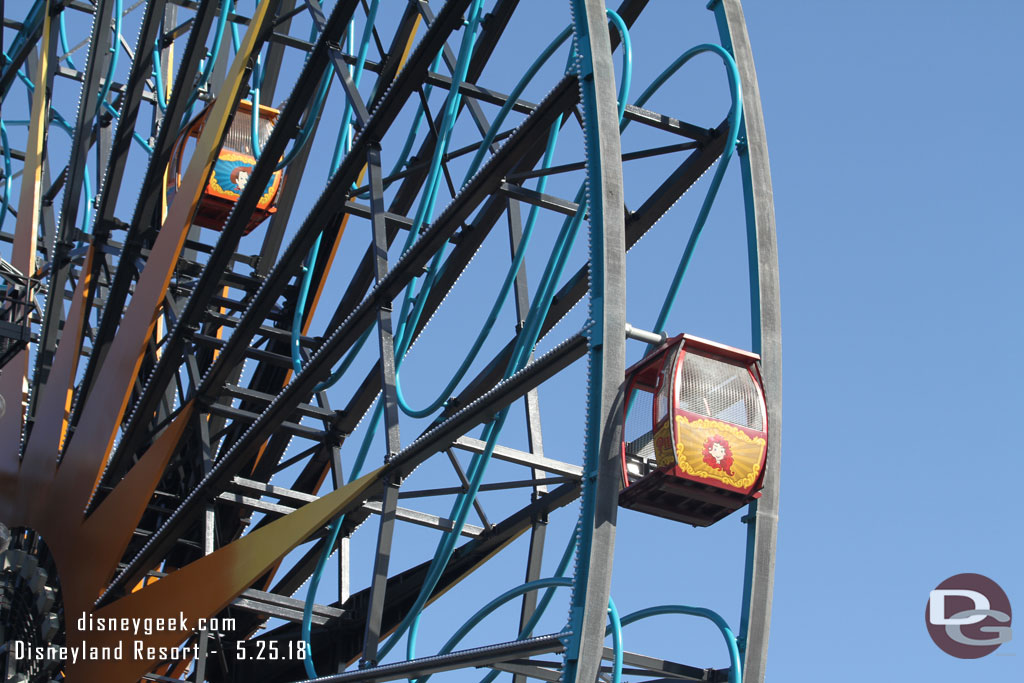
[
  {"x": 718, "y": 454},
  {"x": 240, "y": 176}
]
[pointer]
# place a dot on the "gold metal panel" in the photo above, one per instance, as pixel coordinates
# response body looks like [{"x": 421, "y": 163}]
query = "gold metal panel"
[
  {"x": 718, "y": 451},
  {"x": 103, "y": 537},
  {"x": 205, "y": 587},
  {"x": 40, "y": 460},
  {"x": 23, "y": 257}
]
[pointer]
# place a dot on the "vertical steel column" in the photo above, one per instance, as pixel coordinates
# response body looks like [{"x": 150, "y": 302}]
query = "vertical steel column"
[
  {"x": 60, "y": 265},
  {"x": 538, "y": 526},
  {"x": 167, "y": 63},
  {"x": 23, "y": 251},
  {"x": 142, "y": 222},
  {"x": 378, "y": 585},
  {"x": 763, "y": 515},
  {"x": 202, "y": 431},
  {"x": 209, "y": 531},
  {"x": 607, "y": 357},
  {"x": 344, "y": 575}
]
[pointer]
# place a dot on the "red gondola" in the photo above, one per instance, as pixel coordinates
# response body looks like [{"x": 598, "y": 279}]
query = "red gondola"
[
  {"x": 232, "y": 169},
  {"x": 695, "y": 436}
]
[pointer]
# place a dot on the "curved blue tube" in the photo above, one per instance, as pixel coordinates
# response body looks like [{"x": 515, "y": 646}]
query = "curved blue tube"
[
  {"x": 627, "y": 60},
  {"x": 524, "y": 344},
  {"x": 736, "y": 668},
  {"x": 616, "y": 629},
  {"x": 211, "y": 57},
  {"x": 627, "y": 74},
  {"x": 343, "y": 143},
  {"x": 6, "y": 201},
  {"x": 158, "y": 78},
  {"x": 64, "y": 42},
  {"x": 86, "y": 177},
  {"x": 521, "y": 352},
  {"x": 403, "y": 156},
  {"x": 499, "y": 301},
  {"x": 735, "y": 114},
  {"x": 138, "y": 138},
  {"x": 63, "y": 124},
  {"x": 550, "y": 584},
  {"x": 321, "y": 565},
  {"x": 542, "y": 605},
  {"x": 21, "y": 74},
  {"x": 553, "y": 582},
  {"x": 512, "y": 98}
]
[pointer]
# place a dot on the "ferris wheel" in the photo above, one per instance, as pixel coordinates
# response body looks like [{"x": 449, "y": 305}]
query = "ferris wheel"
[{"x": 327, "y": 333}]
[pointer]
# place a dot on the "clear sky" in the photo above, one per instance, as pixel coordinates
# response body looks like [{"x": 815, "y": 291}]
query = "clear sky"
[
  {"x": 897, "y": 201},
  {"x": 900, "y": 237}
]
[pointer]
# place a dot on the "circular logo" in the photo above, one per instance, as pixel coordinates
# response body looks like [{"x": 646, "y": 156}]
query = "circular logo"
[{"x": 968, "y": 616}]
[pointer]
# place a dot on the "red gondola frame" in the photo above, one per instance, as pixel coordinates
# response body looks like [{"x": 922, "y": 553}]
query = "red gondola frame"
[{"x": 719, "y": 498}]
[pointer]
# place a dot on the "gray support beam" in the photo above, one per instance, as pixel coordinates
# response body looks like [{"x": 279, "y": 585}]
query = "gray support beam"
[
  {"x": 340, "y": 68},
  {"x": 209, "y": 531},
  {"x": 460, "y": 659},
  {"x": 766, "y": 327},
  {"x": 47, "y": 229},
  {"x": 538, "y": 527},
  {"x": 151, "y": 188},
  {"x": 607, "y": 345},
  {"x": 389, "y": 396},
  {"x": 275, "y": 55}
]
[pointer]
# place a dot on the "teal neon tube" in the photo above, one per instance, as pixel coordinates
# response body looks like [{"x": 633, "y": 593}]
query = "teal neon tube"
[
  {"x": 6, "y": 201},
  {"x": 736, "y": 668},
  {"x": 735, "y": 114}
]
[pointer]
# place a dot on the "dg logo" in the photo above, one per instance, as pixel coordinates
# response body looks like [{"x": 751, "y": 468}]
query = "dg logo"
[{"x": 968, "y": 616}]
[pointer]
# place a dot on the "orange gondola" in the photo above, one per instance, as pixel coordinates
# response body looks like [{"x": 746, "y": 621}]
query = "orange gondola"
[
  {"x": 232, "y": 169},
  {"x": 695, "y": 435}
]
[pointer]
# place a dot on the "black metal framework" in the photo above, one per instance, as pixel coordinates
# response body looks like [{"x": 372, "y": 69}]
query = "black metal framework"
[{"x": 263, "y": 437}]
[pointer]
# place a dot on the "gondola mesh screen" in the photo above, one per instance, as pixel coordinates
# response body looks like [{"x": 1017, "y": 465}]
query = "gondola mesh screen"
[
  {"x": 638, "y": 430},
  {"x": 720, "y": 390}
]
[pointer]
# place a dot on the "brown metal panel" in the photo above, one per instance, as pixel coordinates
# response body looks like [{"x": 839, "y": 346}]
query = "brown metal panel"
[
  {"x": 208, "y": 585},
  {"x": 104, "y": 536},
  {"x": 23, "y": 257},
  {"x": 40, "y": 460}
]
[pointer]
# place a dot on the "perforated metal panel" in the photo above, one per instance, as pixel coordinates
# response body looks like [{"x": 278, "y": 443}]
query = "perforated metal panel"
[
  {"x": 639, "y": 430},
  {"x": 721, "y": 390},
  {"x": 239, "y": 137}
]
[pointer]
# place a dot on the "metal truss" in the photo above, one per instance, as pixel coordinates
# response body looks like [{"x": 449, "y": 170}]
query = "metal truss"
[{"x": 148, "y": 375}]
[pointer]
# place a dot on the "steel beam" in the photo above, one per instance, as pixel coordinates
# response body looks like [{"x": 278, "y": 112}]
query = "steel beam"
[
  {"x": 205, "y": 288},
  {"x": 345, "y": 635},
  {"x": 151, "y": 189},
  {"x": 389, "y": 397},
  {"x": 595, "y": 547},
  {"x": 460, "y": 659},
  {"x": 763, "y": 515},
  {"x": 88, "y": 109},
  {"x": 26, "y": 235}
]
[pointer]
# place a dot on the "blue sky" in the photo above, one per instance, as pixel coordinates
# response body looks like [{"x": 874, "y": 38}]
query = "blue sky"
[
  {"x": 899, "y": 240},
  {"x": 899, "y": 237}
]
